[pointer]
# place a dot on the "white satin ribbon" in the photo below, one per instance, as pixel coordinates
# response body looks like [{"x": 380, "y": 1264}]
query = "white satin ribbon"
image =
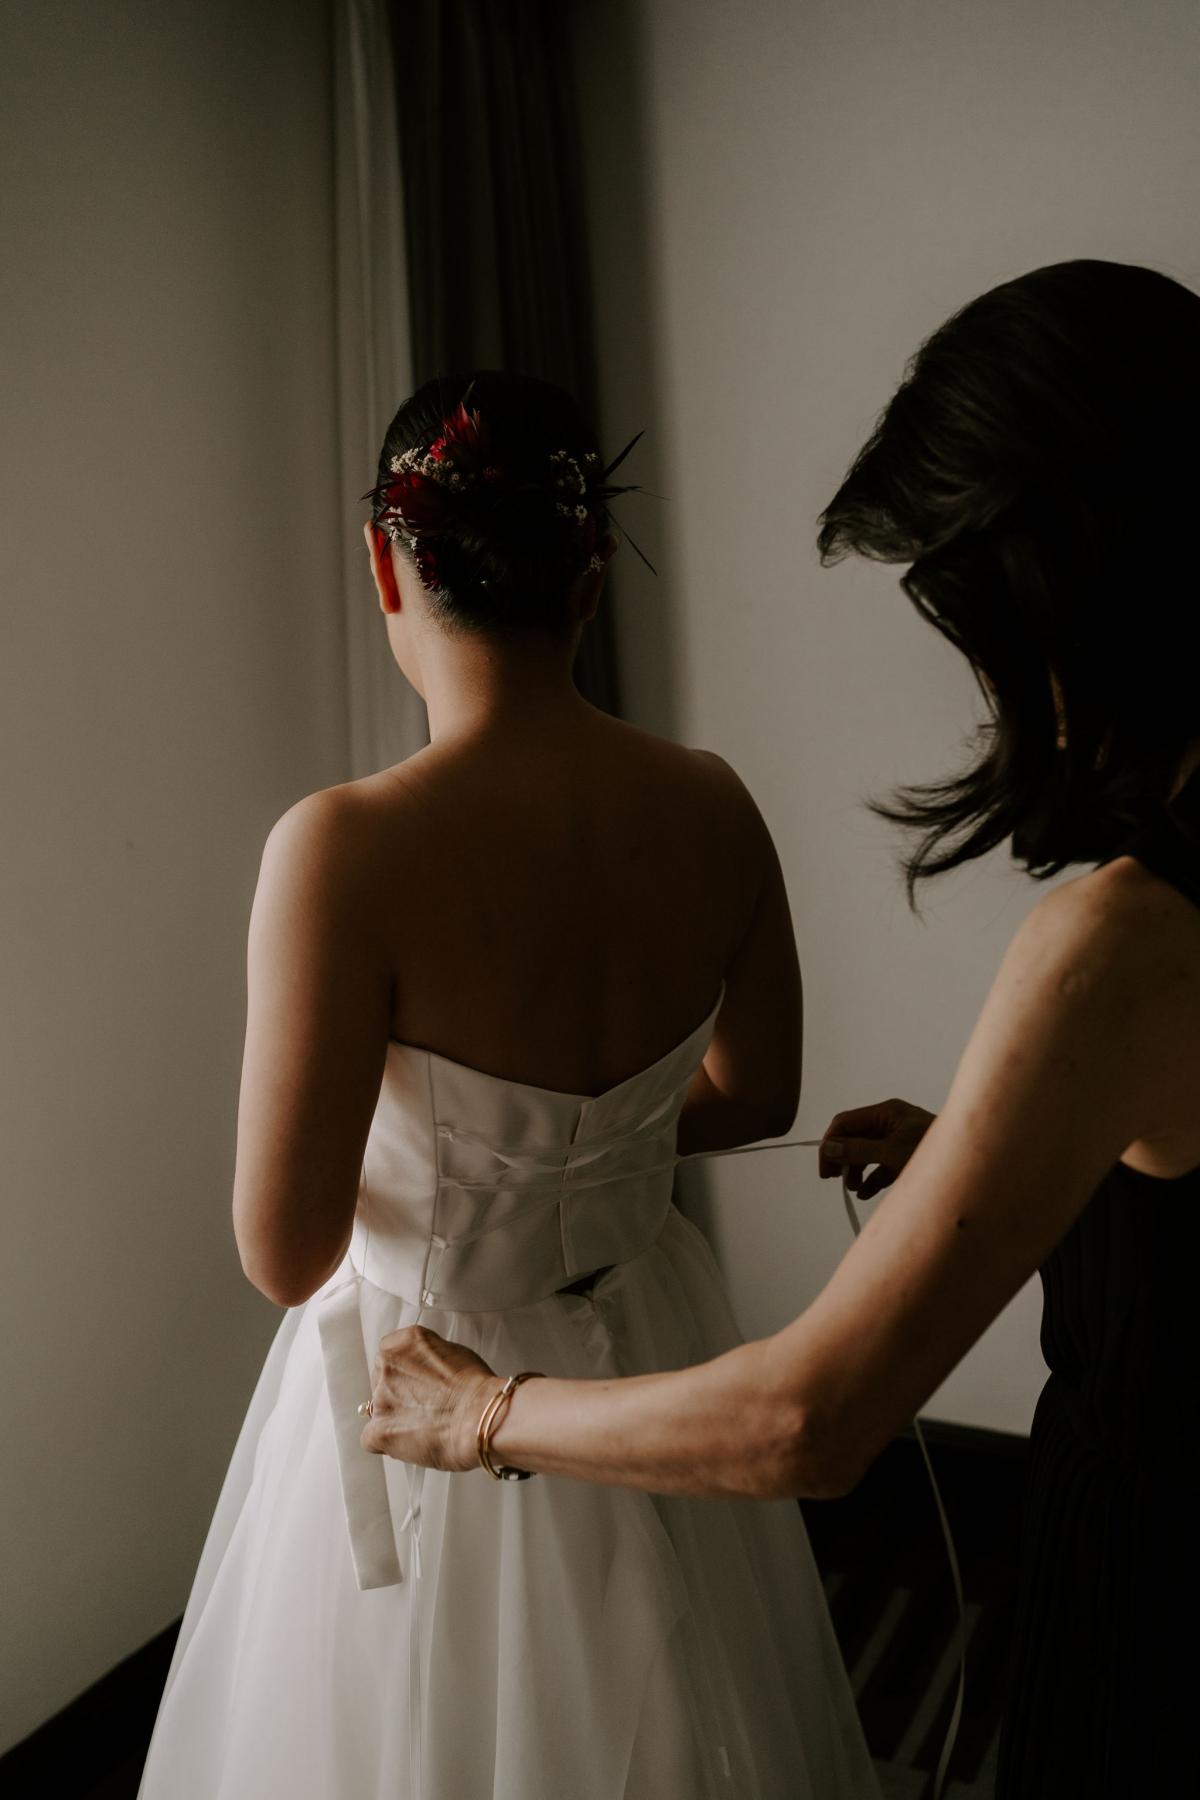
[{"x": 362, "y": 1475}]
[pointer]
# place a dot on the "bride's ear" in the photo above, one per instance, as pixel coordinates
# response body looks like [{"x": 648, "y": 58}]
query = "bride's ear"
[
  {"x": 591, "y": 582},
  {"x": 379, "y": 548}
]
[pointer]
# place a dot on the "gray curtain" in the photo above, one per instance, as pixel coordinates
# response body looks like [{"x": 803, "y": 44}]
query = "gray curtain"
[
  {"x": 493, "y": 218},
  {"x": 387, "y": 716}
]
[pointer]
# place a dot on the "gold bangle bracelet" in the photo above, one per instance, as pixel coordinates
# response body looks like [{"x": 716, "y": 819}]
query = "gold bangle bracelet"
[{"x": 487, "y": 1424}]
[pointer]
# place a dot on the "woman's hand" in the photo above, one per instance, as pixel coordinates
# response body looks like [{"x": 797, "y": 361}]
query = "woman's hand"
[
  {"x": 886, "y": 1134},
  {"x": 427, "y": 1400}
]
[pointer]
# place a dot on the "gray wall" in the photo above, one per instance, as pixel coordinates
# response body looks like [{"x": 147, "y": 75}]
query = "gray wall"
[
  {"x": 784, "y": 200},
  {"x": 171, "y": 679}
]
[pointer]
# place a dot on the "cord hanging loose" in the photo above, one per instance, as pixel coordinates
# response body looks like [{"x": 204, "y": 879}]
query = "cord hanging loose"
[{"x": 943, "y": 1768}]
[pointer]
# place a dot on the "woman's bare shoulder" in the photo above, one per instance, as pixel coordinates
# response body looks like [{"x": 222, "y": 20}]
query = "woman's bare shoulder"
[
  {"x": 333, "y": 837},
  {"x": 725, "y": 805},
  {"x": 703, "y": 765},
  {"x": 342, "y": 805},
  {"x": 705, "y": 782},
  {"x": 1120, "y": 921},
  {"x": 712, "y": 774},
  {"x": 1104, "y": 974}
]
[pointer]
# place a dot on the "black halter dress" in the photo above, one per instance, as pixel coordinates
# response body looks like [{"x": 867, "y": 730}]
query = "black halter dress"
[{"x": 1104, "y": 1701}]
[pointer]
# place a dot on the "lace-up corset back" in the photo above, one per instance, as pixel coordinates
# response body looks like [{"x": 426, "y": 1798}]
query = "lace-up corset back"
[{"x": 483, "y": 1194}]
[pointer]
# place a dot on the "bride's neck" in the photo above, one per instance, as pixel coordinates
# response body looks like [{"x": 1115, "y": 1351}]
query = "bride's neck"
[{"x": 474, "y": 685}]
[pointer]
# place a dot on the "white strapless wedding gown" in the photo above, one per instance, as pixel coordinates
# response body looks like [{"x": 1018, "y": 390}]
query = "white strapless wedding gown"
[{"x": 362, "y": 1630}]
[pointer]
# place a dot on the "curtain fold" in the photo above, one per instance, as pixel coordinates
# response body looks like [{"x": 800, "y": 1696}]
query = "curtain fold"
[
  {"x": 493, "y": 210},
  {"x": 374, "y": 363}
]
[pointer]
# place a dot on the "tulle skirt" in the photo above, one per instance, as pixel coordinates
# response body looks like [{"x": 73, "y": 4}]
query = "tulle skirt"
[{"x": 551, "y": 1640}]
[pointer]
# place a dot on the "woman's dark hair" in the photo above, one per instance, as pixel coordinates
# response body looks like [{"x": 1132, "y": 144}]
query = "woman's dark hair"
[
  {"x": 1039, "y": 468},
  {"x": 492, "y": 483}
]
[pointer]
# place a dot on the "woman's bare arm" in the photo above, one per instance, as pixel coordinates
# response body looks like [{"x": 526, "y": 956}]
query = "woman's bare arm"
[
  {"x": 318, "y": 1018},
  {"x": 1088, "y": 1043},
  {"x": 748, "y": 1086}
]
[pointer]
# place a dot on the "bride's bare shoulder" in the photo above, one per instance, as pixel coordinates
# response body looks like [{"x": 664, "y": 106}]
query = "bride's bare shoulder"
[
  {"x": 731, "y": 792},
  {"x": 363, "y": 799},
  {"x": 689, "y": 762},
  {"x": 338, "y": 829}
]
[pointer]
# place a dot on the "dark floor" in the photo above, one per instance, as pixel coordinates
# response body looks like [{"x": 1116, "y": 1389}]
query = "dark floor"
[{"x": 884, "y": 1566}]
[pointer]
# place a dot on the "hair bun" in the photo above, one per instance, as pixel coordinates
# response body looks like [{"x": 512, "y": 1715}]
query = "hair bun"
[
  {"x": 513, "y": 539},
  {"x": 519, "y": 512},
  {"x": 495, "y": 487}
]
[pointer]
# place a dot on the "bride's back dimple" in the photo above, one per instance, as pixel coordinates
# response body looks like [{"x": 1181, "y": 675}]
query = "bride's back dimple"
[{"x": 563, "y": 912}]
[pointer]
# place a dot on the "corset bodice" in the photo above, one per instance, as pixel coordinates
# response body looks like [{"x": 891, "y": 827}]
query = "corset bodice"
[{"x": 482, "y": 1194}]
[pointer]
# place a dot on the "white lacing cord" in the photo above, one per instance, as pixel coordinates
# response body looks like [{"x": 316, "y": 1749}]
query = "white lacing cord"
[{"x": 943, "y": 1768}]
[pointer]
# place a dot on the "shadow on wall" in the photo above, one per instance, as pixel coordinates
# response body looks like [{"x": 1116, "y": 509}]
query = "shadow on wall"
[{"x": 617, "y": 164}]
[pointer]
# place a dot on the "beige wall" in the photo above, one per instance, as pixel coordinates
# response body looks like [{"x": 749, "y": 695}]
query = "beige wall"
[
  {"x": 170, "y": 680},
  {"x": 785, "y": 198}
]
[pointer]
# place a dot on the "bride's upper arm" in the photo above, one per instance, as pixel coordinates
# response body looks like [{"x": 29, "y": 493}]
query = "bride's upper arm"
[
  {"x": 1064, "y": 1069},
  {"x": 317, "y": 1024},
  {"x": 757, "y": 1046}
]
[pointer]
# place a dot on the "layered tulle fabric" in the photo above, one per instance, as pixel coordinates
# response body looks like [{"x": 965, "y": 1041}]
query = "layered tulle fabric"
[{"x": 542, "y": 1640}]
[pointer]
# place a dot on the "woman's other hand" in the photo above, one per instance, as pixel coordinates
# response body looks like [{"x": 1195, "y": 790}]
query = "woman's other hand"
[
  {"x": 427, "y": 1400},
  {"x": 885, "y": 1135}
]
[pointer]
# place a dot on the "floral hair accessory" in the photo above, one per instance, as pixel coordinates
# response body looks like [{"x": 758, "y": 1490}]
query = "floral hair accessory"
[{"x": 428, "y": 489}]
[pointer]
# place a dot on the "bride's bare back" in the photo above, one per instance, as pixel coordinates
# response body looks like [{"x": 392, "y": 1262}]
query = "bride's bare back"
[{"x": 561, "y": 908}]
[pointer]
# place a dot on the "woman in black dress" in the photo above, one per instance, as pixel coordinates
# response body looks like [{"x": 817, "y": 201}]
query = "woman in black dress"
[{"x": 1039, "y": 469}]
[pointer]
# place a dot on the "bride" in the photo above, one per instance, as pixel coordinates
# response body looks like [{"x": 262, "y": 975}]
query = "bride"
[{"x": 494, "y": 991}]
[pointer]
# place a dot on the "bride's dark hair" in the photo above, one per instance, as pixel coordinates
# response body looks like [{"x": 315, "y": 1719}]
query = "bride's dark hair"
[
  {"x": 493, "y": 484},
  {"x": 1039, "y": 468}
]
